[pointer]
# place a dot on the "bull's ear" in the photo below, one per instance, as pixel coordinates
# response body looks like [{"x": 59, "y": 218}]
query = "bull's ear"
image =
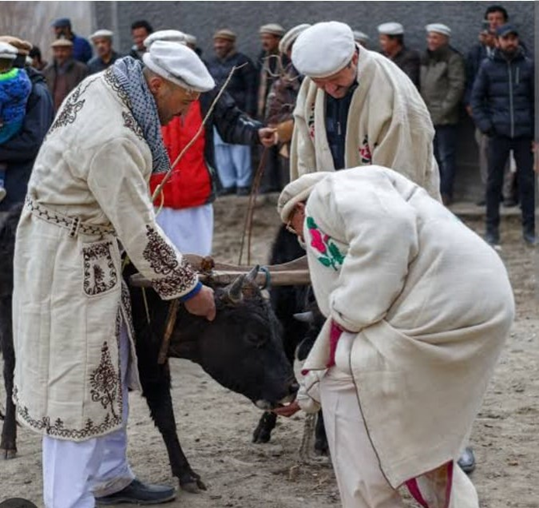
[
  {"x": 304, "y": 317},
  {"x": 233, "y": 292}
]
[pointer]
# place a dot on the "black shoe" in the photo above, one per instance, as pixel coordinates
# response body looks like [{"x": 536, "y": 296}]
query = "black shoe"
[
  {"x": 510, "y": 202},
  {"x": 492, "y": 237},
  {"x": 139, "y": 493},
  {"x": 529, "y": 237},
  {"x": 467, "y": 460},
  {"x": 227, "y": 191},
  {"x": 244, "y": 191}
]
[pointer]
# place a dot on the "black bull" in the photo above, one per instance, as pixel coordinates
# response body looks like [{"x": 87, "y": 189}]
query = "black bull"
[{"x": 241, "y": 349}]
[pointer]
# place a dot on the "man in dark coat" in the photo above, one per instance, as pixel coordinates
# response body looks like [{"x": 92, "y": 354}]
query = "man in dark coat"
[
  {"x": 82, "y": 51},
  {"x": 233, "y": 161},
  {"x": 20, "y": 151},
  {"x": 106, "y": 56},
  {"x": 503, "y": 108},
  {"x": 392, "y": 45},
  {"x": 441, "y": 83},
  {"x": 140, "y": 30},
  {"x": 64, "y": 73}
]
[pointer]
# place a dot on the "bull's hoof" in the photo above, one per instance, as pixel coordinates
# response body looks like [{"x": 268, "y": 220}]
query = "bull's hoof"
[
  {"x": 192, "y": 483},
  {"x": 321, "y": 448},
  {"x": 261, "y": 435},
  {"x": 9, "y": 454}
]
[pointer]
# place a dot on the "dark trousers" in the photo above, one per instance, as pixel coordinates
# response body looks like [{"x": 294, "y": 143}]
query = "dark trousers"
[
  {"x": 498, "y": 152},
  {"x": 445, "y": 148},
  {"x": 275, "y": 173}
]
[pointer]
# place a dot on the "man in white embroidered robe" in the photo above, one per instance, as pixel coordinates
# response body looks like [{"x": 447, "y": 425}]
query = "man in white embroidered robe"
[
  {"x": 356, "y": 108},
  {"x": 88, "y": 198},
  {"x": 418, "y": 308}
]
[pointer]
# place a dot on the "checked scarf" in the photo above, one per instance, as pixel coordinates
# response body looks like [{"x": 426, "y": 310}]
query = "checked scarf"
[{"x": 133, "y": 87}]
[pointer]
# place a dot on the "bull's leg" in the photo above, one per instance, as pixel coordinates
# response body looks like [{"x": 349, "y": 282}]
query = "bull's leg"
[
  {"x": 156, "y": 389},
  {"x": 8, "y": 443},
  {"x": 262, "y": 433},
  {"x": 321, "y": 441}
]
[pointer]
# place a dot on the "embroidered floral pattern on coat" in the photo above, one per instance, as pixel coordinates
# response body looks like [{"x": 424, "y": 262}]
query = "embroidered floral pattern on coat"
[
  {"x": 177, "y": 277},
  {"x": 104, "y": 382},
  {"x": 132, "y": 125},
  {"x": 71, "y": 107},
  {"x": 365, "y": 151},
  {"x": 327, "y": 251},
  {"x": 100, "y": 274}
]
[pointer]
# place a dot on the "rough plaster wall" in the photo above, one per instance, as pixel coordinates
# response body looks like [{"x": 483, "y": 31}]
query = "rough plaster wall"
[{"x": 203, "y": 18}]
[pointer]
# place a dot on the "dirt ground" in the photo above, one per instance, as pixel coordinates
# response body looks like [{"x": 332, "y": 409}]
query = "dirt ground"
[{"x": 215, "y": 425}]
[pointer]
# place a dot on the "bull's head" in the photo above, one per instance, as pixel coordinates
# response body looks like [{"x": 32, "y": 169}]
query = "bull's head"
[{"x": 242, "y": 348}]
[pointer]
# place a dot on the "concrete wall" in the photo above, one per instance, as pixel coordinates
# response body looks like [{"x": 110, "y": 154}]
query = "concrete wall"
[{"x": 203, "y": 18}]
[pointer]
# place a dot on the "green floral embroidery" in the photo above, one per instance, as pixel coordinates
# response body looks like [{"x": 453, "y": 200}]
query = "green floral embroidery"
[{"x": 329, "y": 253}]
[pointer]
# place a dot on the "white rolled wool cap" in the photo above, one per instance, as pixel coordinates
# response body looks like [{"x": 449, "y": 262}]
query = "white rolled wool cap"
[
  {"x": 323, "y": 49},
  {"x": 102, "y": 33},
  {"x": 390, "y": 28},
  {"x": 164, "y": 35},
  {"x": 360, "y": 36},
  {"x": 7, "y": 51},
  {"x": 179, "y": 64},
  {"x": 297, "y": 191},
  {"x": 290, "y": 37},
  {"x": 439, "y": 28}
]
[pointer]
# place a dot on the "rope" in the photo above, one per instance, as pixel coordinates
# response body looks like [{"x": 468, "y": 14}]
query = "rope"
[{"x": 267, "y": 273}]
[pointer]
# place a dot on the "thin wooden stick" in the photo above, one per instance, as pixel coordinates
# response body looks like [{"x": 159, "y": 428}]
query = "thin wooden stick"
[
  {"x": 159, "y": 188},
  {"x": 171, "y": 321},
  {"x": 248, "y": 226}
]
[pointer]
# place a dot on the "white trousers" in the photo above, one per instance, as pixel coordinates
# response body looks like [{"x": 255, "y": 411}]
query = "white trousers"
[
  {"x": 189, "y": 229},
  {"x": 75, "y": 472},
  {"x": 359, "y": 477}
]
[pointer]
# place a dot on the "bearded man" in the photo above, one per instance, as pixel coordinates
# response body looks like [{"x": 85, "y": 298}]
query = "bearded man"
[
  {"x": 356, "y": 108},
  {"x": 418, "y": 308},
  {"x": 87, "y": 201}
]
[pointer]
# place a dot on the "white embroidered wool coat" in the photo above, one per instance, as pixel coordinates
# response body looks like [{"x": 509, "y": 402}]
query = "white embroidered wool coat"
[
  {"x": 430, "y": 305},
  {"x": 69, "y": 301},
  {"x": 388, "y": 125}
]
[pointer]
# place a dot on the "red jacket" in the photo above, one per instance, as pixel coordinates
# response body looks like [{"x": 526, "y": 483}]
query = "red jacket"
[
  {"x": 190, "y": 184},
  {"x": 194, "y": 179}
]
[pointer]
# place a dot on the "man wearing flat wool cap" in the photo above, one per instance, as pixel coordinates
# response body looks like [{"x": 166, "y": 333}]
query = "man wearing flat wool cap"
[
  {"x": 339, "y": 124},
  {"x": 414, "y": 328},
  {"x": 391, "y": 37},
  {"x": 88, "y": 201}
]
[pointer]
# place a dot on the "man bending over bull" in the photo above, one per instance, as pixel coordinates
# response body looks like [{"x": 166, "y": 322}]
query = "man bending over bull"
[
  {"x": 88, "y": 200},
  {"x": 418, "y": 308}
]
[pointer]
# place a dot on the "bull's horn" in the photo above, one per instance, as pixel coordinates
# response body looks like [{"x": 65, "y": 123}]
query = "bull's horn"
[
  {"x": 251, "y": 276},
  {"x": 233, "y": 291},
  {"x": 304, "y": 317}
]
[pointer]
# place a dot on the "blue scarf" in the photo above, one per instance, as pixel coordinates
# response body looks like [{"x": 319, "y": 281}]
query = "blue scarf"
[{"x": 133, "y": 89}]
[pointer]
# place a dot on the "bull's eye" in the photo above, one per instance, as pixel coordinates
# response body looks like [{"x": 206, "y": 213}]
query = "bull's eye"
[{"x": 256, "y": 339}]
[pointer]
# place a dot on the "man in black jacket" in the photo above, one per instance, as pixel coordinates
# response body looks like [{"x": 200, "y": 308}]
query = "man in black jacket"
[
  {"x": 234, "y": 161},
  {"x": 503, "y": 108},
  {"x": 21, "y": 150}
]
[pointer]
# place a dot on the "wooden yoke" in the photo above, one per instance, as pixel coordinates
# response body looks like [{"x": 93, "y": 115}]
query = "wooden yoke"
[{"x": 287, "y": 274}]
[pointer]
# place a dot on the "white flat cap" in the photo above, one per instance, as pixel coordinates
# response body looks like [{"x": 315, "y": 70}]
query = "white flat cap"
[
  {"x": 102, "y": 33},
  {"x": 179, "y": 64},
  {"x": 272, "y": 29},
  {"x": 390, "y": 28},
  {"x": 360, "y": 36},
  {"x": 439, "y": 28},
  {"x": 323, "y": 49},
  {"x": 290, "y": 37},
  {"x": 7, "y": 51},
  {"x": 190, "y": 39},
  {"x": 164, "y": 35},
  {"x": 297, "y": 191}
]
